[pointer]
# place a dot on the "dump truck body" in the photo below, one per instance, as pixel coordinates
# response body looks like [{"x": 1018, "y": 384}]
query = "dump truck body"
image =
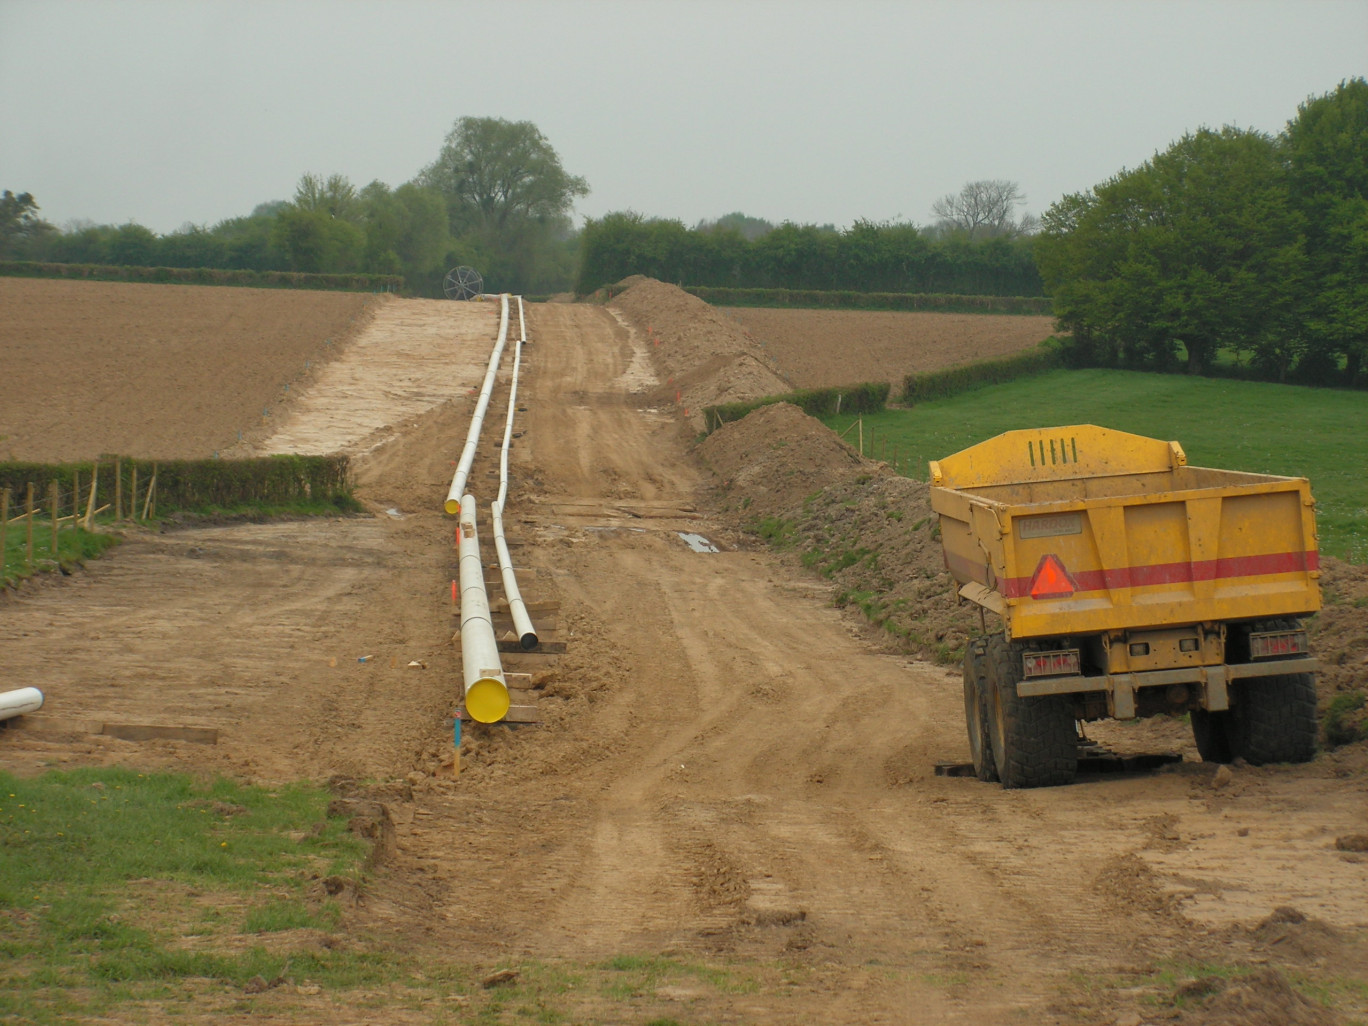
[{"x": 1125, "y": 578}]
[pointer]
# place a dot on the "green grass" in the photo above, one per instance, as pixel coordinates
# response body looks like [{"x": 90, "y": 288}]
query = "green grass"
[
  {"x": 74, "y": 546},
  {"x": 1320, "y": 434},
  {"x": 115, "y": 884}
]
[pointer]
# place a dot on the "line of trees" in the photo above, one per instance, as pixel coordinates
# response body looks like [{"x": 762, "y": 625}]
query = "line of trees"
[
  {"x": 869, "y": 256},
  {"x": 496, "y": 198},
  {"x": 1230, "y": 247}
]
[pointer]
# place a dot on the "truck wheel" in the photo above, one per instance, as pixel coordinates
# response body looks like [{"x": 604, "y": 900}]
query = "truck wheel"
[
  {"x": 1034, "y": 740},
  {"x": 976, "y": 710},
  {"x": 1273, "y": 719},
  {"x": 1211, "y": 732}
]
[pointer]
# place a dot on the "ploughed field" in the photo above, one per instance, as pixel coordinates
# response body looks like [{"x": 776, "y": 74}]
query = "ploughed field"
[{"x": 734, "y": 782}]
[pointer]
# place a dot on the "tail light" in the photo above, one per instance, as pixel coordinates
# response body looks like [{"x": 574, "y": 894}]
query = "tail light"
[
  {"x": 1272, "y": 644},
  {"x": 1064, "y": 663}
]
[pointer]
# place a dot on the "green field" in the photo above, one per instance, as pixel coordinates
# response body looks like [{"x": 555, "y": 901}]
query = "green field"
[{"x": 1320, "y": 434}]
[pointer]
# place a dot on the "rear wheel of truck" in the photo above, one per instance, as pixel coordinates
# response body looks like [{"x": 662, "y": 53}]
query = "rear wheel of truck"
[
  {"x": 1273, "y": 719},
  {"x": 1210, "y": 732},
  {"x": 1034, "y": 740},
  {"x": 976, "y": 709}
]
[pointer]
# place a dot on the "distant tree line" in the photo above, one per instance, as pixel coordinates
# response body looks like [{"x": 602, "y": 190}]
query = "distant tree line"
[
  {"x": 496, "y": 198},
  {"x": 1232, "y": 251},
  {"x": 869, "y": 256}
]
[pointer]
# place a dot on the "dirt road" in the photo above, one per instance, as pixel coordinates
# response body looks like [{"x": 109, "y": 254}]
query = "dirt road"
[
  {"x": 735, "y": 770},
  {"x": 729, "y": 773}
]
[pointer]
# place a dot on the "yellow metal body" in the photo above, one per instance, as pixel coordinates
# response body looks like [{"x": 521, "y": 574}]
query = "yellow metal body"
[{"x": 1083, "y": 530}]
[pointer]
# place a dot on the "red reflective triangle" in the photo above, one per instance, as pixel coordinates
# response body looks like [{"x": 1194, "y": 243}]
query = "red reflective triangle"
[{"x": 1051, "y": 580}]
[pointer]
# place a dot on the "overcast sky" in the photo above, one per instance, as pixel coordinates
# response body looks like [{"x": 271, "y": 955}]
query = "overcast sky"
[{"x": 165, "y": 112}]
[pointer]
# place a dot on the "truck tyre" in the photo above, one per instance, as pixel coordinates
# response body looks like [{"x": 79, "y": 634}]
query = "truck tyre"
[
  {"x": 1273, "y": 719},
  {"x": 976, "y": 710},
  {"x": 1034, "y": 740},
  {"x": 1210, "y": 730}
]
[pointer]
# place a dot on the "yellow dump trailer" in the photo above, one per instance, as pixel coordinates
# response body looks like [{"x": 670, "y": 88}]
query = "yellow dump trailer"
[{"x": 1128, "y": 584}]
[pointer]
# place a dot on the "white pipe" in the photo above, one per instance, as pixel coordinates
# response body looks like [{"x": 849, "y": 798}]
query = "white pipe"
[
  {"x": 517, "y": 608},
  {"x": 458, "y": 480},
  {"x": 486, "y": 690},
  {"x": 16, "y": 703}
]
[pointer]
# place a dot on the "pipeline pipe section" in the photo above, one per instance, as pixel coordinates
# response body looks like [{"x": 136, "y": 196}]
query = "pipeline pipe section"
[
  {"x": 486, "y": 689},
  {"x": 452, "y": 505},
  {"x": 517, "y": 608},
  {"x": 17, "y": 703}
]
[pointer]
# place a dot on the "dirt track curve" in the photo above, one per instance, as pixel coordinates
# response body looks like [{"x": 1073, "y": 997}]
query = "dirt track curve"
[{"x": 729, "y": 768}]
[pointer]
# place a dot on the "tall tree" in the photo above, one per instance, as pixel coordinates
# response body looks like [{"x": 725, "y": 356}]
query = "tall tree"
[
  {"x": 19, "y": 222},
  {"x": 984, "y": 209},
  {"x": 507, "y": 194},
  {"x": 1327, "y": 151},
  {"x": 334, "y": 196},
  {"x": 1197, "y": 247}
]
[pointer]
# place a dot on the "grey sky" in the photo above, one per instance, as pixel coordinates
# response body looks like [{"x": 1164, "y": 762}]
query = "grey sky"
[{"x": 172, "y": 111}]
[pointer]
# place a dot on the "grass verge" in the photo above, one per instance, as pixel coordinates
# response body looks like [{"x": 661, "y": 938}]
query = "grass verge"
[{"x": 74, "y": 547}]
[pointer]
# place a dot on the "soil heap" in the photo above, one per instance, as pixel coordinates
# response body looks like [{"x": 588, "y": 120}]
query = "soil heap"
[
  {"x": 786, "y": 476},
  {"x": 700, "y": 355}
]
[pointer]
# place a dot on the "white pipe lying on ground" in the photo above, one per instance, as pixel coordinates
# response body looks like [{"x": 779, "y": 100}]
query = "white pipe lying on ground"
[
  {"x": 17, "y": 703},
  {"x": 517, "y": 608},
  {"x": 486, "y": 690},
  {"x": 458, "y": 480}
]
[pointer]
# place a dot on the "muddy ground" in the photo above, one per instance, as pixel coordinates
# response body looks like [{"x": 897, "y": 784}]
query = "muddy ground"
[{"x": 730, "y": 771}]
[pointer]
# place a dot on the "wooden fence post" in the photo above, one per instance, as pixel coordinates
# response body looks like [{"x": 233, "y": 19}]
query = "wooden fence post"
[
  {"x": 29, "y": 522},
  {"x": 118, "y": 489},
  {"x": 133, "y": 501},
  {"x": 52, "y": 492},
  {"x": 90, "y": 503},
  {"x": 151, "y": 488},
  {"x": 4, "y": 527},
  {"x": 75, "y": 497}
]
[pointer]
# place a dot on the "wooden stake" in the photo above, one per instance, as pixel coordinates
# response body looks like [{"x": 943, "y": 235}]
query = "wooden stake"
[
  {"x": 29, "y": 507},
  {"x": 52, "y": 494},
  {"x": 861, "y": 436},
  {"x": 118, "y": 489},
  {"x": 151, "y": 487},
  {"x": 90, "y": 503},
  {"x": 75, "y": 494},
  {"x": 133, "y": 500},
  {"x": 4, "y": 527}
]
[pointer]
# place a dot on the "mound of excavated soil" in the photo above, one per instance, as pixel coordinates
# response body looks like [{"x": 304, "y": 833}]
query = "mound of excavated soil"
[
  {"x": 868, "y": 530},
  {"x": 776, "y": 457},
  {"x": 700, "y": 355}
]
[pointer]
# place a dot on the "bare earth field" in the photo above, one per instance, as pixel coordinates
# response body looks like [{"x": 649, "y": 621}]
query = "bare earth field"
[
  {"x": 730, "y": 772},
  {"x": 826, "y": 348},
  {"x": 156, "y": 371}
]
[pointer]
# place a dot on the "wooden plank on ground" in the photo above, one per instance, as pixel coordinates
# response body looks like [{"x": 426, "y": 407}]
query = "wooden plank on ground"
[
  {"x": 543, "y": 648},
  {"x": 155, "y": 732}
]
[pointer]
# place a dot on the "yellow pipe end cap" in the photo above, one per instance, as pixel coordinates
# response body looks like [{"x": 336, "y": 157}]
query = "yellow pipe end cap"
[
  {"x": 452, "y": 506},
  {"x": 487, "y": 700}
]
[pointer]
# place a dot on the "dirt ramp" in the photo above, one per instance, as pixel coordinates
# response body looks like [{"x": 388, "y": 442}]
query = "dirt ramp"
[{"x": 700, "y": 355}]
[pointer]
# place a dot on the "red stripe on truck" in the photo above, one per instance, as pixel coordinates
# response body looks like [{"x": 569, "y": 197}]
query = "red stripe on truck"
[{"x": 1177, "y": 573}]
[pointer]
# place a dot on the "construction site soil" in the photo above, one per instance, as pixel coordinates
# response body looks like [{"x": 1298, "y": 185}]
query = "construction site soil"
[{"x": 733, "y": 777}]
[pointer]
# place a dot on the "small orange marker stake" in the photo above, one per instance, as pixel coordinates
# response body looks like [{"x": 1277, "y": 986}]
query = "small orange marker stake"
[{"x": 453, "y": 594}]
